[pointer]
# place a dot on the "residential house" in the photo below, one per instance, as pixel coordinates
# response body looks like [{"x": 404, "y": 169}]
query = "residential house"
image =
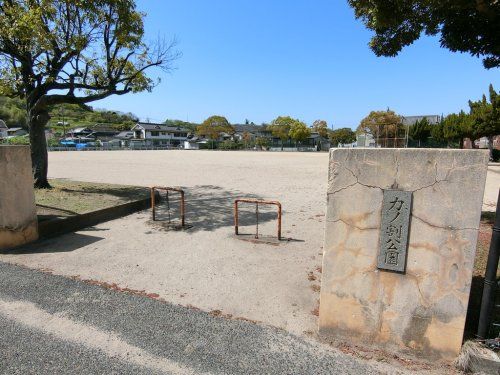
[
  {"x": 103, "y": 133},
  {"x": 123, "y": 139},
  {"x": 253, "y": 132},
  {"x": 81, "y": 132},
  {"x": 149, "y": 134},
  {"x": 193, "y": 143}
]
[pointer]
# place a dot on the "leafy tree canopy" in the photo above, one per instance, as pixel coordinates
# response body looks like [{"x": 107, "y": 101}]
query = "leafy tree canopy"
[
  {"x": 380, "y": 124},
  {"x": 72, "y": 51},
  {"x": 342, "y": 136},
  {"x": 299, "y": 131},
  {"x": 280, "y": 127},
  {"x": 213, "y": 126},
  {"x": 321, "y": 127},
  {"x": 13, "y": 112},
  {"x": 469, "y": 26}
]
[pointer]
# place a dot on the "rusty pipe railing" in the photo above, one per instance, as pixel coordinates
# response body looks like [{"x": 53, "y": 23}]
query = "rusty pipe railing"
[
  {"x": 154, "y": 189},
  {"x": 257, "y": 202}
]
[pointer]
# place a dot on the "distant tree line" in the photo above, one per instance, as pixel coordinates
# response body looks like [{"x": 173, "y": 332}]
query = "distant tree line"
[{"x": 481, "y": 120}]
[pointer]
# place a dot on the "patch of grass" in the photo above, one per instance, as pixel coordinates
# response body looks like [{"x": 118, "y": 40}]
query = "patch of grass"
[{"x": 68, "y": 198}]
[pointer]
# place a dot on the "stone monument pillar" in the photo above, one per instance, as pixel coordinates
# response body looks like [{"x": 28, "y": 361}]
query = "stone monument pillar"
[
  {"x": 400, "y": 241},
  {"x": 18, "y": 220}
]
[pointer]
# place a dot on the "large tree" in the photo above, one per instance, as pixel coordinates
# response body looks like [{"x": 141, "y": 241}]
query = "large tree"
[
  {"x": 420, "y": 131},
  {"x": 71, "y": 51},
  {"x": 214, "y": 126},
  {"x": 321, "y": 127},
  {"x": 470, "y": 26},
  {"x": 342, "y": 136},
  {"x": 280, "y": 128},
  {"x": 385, "y": 127},
  {"x": 458, "y": 127},
  {"x": 486, "y": 117},
  {"x": 299, "y": 131}
]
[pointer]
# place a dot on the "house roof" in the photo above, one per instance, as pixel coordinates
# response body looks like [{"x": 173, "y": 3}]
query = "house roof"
[
  {"x": 80, "y": 129},
  {"x": 3, "y": 125},
  {"x": 125, "y": 135},
  {"x": 239, "y": 128},
  {"x": 160, "y": 127},
  {"x": 103, "y": 128}
]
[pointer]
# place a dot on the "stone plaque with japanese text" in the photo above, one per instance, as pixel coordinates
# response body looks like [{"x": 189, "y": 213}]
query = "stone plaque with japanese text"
[
  {"x": 396, "y": 209},
  {"x": 413, "y": 300}
]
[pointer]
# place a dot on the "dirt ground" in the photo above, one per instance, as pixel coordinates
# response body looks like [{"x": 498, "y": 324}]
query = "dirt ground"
[{"x": 207, "y": 267}]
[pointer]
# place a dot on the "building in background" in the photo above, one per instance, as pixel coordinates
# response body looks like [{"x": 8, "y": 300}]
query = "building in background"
[
  {"x": 159, "y": 134},
  {"x": 16, "y": 132}
]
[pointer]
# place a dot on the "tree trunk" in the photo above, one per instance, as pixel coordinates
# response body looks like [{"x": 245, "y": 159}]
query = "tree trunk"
[{"x": 39, "y": 156}]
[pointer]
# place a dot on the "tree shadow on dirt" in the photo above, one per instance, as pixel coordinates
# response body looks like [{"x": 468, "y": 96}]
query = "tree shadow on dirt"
[{"x": 210, "y": 207}]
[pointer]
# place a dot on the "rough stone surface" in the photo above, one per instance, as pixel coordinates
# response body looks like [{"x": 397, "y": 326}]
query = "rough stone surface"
[
  {"x": 422, "y": 311},
  {"x": 18, "y": 222}
]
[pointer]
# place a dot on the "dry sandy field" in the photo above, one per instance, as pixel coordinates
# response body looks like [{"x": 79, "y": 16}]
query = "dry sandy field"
[{"x": 207, "y": 267}]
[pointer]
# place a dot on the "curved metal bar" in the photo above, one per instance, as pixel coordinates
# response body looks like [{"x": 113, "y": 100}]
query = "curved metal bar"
[
  {"x": 257, "y": 202},
  {"x": 167, "y": 189}
]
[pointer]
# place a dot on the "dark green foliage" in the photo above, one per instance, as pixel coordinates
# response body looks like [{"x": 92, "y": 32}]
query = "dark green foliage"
[
  {"x": 420, "y": 131},
  {"x": 496, "y": 155},
  {"x": 13, "y": 112},
  {"x": 486, "y": 115},
  {"x": 21, "y": 140},
  {"x": 470, "y": 26},
  {"x": 73, "y": 115}
]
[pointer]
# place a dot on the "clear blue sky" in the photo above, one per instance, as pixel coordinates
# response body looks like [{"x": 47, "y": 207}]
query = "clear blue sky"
[{"x": 260, "y": 59}]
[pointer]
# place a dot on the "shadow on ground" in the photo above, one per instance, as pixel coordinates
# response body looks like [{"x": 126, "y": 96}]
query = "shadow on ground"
[
  {"x": 63, "y": 244},
  {"x": 210, "y": 207},
  {"x": 130, "y": 192}
]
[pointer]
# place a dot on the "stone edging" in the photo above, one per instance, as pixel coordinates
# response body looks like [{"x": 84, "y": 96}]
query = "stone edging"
[{"x": 56, "y": 227}]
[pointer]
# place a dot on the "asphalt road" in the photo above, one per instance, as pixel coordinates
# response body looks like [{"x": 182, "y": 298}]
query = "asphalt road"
[{"x": 51, "y": 324}]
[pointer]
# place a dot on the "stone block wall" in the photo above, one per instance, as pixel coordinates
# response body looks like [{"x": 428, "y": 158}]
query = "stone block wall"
[
  {"x": 18, "y": 220},
  {"x": 421, "y": 311}
]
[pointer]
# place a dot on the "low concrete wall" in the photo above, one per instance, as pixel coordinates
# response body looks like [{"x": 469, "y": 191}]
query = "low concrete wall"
[
  {"x": 422, "y": 310},
  {"x": 18, "y": 220},
  {"x": 57, "y": 227}
]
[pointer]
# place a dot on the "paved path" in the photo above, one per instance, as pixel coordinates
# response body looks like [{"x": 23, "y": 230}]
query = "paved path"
[{"x": 51, "y": 324}]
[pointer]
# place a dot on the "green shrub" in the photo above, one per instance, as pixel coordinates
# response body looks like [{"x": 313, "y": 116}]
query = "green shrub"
[
  {"x": 22, "y": 140},
  {"x": 230, "y": 145}
]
